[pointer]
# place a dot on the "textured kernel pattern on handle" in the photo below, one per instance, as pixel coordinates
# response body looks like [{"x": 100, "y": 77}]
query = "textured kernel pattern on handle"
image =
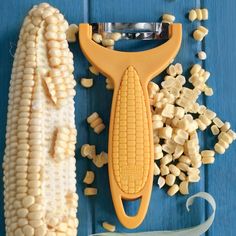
[{"x": 131, "y": 138}]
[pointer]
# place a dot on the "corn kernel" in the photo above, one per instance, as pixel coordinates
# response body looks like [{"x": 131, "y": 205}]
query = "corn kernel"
[
  {"x": 90, "y": 191},
  {"x": 202, "y": 55},
  {"x": 161, "y": 182},
  {"x": 168, "y": 18},
  {"x": 109, "y": 227},
  {"x": 183, "y": 187},
  {"x": 170, "y": 179},
  {"x": 89, "y": 177},
  {"x": 198, "y": 35},
  {"x": 192, "y": 15},
  {"x": 87, "y": 83},
  {"x": 71, "y": 33},
  {"x": 173, "y": 190},
  {"x": 97, "y": 38}
]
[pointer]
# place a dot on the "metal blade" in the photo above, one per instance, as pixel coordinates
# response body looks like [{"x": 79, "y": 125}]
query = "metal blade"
[{"x": 142, "y": 31}]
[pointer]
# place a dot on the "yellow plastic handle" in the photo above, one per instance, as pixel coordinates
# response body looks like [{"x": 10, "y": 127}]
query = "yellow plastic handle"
[
  {"x": 130, "y": 147},
  {"x": 130, "y": 151}
]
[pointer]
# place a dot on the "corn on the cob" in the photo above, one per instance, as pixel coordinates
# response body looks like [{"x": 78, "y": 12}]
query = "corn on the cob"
[{"x": 39, "y": 165}]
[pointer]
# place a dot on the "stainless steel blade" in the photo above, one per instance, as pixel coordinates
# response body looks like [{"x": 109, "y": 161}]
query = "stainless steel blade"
[{"x": 141, "y": 31}]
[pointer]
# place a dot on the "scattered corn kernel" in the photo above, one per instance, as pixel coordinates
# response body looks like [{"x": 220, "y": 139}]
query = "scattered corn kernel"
[
  {"x": 183, "y": 187},
  {"x": 87, "y": 83},
  {"x": 182, "y": 176},
  {"x": 198, "y": 35},
  {"x": 108, "y": 42},
  {"x": 218, "y": 122},
  {"x": 90, "y": 191},
  {"x": 92, "y": 117},
  {"x": 71, "y": 33},
  {"x": 182, "y": 166},
  {"x": 204, "y": 14},
  {"x": 158, "y": 155},
  {"x": 165, "y": 132},
  {"x": 109, "y": 84},
  {"x": 224, "y": 144},
  {"x": 93, "y": 70},
  {"x": 173, "y": 190},
  {"x": 185, "y": 159},
  {"x": 89, "y": 177},
  {"x": 193, "y": 178},
  {"x": 199, "y": 13},
  {"x": 174, "y": 170},
  {"x": 116, "y": 36},
  {"x": 192, "y": 15},
  {"x": 166, "y": 159},
  {"x": 109, "y": 227},
  {"x": 170, "y": 179},
  {"x": 215, "y": 130},
  {"x": 96, "y": 123},
  {"x": 171, "y": 70},
  {"x": 202, "y": 55},
  {"x": 164, "y": 170},
  {"x": 203, "y": 29},
  {"x": 98, "y": 129},
  {"x": 232, "y": 134},
  {"x": 208, "y": 160},
  {"x": 99, "y": 161},
  {"x": 97, "y": 38},
  {"x": 168, "y": 111},
  {"x": 178, "y": 69},
  {"x": 161, "y": 182},
  {"x": 209, "y": 114},
  {"x": 208, "y": 91},
  {"x": 88, "y": 151},
  {"x": 225, "y": 127},
  {"x": 195, "y": 69},
  {"x": 156, "y": 169},
  {"x": 207, "y": 153},
  {"x": 226, "y": 137},
  {"x": 168, "y": 18}
]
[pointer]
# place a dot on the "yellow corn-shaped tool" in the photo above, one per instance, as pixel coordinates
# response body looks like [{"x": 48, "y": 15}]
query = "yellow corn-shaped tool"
[{"x": 130, "y": 152}]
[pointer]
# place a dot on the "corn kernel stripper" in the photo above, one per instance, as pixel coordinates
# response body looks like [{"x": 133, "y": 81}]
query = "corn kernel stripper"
[{"x": 130, "y": 151}]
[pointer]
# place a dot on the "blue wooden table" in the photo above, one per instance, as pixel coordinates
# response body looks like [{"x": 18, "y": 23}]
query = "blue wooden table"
[{"x": 165, "y": 213}]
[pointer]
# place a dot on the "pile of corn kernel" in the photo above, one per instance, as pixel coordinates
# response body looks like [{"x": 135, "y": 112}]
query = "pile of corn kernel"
[{"x": 177, "y": 116}]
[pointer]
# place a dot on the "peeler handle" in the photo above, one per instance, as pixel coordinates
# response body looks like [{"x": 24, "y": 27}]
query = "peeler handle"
[
  {"x": 130, "y": 146},
  {"x": 130, "y": 152}
]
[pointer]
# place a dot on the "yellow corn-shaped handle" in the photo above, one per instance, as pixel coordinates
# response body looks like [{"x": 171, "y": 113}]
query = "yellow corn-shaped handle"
[
  {"x": 130, "y": 146},
  {"x": 130, "y": 151},
  {"x": 130, "y": 137}
]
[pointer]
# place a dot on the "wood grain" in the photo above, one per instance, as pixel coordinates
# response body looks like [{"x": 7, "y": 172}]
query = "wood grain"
[{"x": 165, "y": 213}]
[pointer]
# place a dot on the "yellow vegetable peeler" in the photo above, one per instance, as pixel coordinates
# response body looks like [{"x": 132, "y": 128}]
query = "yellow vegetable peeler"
[{"x": 130, "y": 150}]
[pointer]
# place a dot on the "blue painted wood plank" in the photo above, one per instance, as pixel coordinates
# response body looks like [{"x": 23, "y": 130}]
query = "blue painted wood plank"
[
  {"x": 221, "y": 51},
  {"x": 164, "y": 212}
]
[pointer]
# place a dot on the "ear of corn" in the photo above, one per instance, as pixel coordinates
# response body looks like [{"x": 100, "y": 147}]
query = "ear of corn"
[{"x": 39, "y": 165}]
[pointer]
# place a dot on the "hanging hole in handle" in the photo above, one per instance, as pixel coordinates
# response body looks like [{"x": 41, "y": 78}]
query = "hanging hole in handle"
[{"x": 131, "y": 207}]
